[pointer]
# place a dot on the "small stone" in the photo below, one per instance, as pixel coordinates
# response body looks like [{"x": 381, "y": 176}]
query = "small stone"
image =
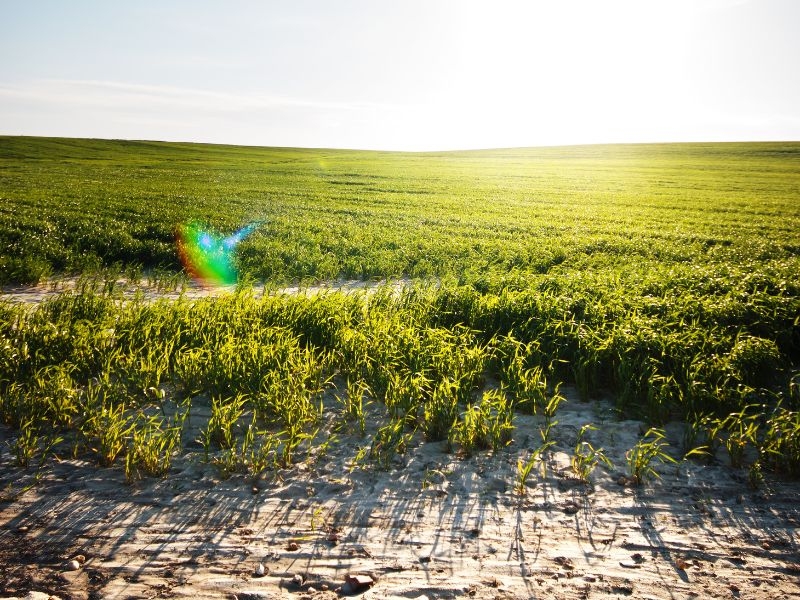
[
  {"x": 563, "y": 561},
  {"x": 292, "y": 546},
  {"x": 571, "y": 508},
  {"x": 324, "y": 587},
  {"x": 73, "y": 565},
  {"x": 261, "y": 570},
  {"x": 297, "y": 580},
  {"x": 254, "y": 489},
  {"x": 354, "y": 584},
  {"x": 590, "y": 578},
  {"x": 80, "y": 558},
  {"x": 681, "y": 564}
]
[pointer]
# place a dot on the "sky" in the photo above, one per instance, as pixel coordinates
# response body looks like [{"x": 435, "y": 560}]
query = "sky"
[{"x": 402, "y": 75}]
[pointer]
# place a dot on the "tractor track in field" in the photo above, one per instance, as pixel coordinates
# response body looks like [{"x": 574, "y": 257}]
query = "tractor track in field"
[{"x": 188, "y": 290}]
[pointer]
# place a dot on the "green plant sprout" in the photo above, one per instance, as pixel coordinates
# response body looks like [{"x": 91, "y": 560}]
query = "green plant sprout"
[
  {"x": 586, "y": 457},
  {"x": 648, "y": 451}
]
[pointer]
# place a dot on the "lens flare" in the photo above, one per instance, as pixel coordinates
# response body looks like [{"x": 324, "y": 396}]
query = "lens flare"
[{"x": 210, "y": 258}]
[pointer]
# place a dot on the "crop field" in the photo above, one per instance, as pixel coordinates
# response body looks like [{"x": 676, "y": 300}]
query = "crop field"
[{"x": 661, "y": 277}]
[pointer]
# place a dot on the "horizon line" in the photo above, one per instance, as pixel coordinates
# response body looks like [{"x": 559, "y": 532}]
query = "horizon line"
[{"x": 395, "y": 151}]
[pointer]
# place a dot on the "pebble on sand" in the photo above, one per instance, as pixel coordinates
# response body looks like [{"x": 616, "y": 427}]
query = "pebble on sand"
[
  {"x": 73, "y": 565},
  {"x": 354, "y": 584}
]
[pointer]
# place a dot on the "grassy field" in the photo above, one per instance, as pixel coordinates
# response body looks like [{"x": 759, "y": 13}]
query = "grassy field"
[
  {"x": 664, "y": 277},
  {"x": 69, "y": 204}
]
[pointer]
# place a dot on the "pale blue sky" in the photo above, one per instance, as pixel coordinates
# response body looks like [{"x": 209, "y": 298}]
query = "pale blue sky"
[{"x": 405, "y": 75}]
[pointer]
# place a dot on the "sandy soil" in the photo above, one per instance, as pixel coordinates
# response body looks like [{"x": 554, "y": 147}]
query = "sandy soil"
[
  {"x": 433, "y": 526},
  {"x": 152, "y": 290}
]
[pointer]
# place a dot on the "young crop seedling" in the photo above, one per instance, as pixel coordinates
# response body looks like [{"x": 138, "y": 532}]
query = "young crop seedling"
[
  {"x": 488, "y": 424},
  {"x": 546, "y": 432},
  {"x": 152, "y": 446},
  {"x": 737, "y": 432},
  {"x": 586, "y": 457},
  {"x": 223, "y": 423},
  {"x": 553, "y": 403},
  {"x": 780, "y": 448},
  {"x": 390, "y": 440},
  {"x": 106, "y": 430},
  {"x": 291, "y": 438},
  {"x": 25, "y": 446},
  {"x": 650, "y": 449},
  {"x": 526, "y": 385},
  {"x": 353, "y": 403},
  {"x": 440, "y": 412},
  {"x": 525, "y": 467}
]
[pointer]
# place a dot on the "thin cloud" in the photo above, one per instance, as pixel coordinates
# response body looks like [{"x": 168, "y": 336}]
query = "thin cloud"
[{"x": 146, "y": 98}]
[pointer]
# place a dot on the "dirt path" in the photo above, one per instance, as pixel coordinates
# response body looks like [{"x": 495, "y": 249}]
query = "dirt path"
[
  {"x": 153, "y": 290},
  {"x": 433, "y": 526}
]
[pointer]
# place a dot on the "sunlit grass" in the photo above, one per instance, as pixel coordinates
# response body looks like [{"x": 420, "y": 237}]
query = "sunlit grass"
[{"x": 663, "y": 278}]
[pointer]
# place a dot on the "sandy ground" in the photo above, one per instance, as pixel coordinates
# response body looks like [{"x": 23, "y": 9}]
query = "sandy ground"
[
  {"x": 433, "y": 526},
  {"x": 190, "y": 289}
]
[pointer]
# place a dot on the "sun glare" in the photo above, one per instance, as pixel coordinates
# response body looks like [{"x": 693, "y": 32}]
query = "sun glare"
[
  {"x": 538, "y": 72},
  {"x": 414, "y": 75}
]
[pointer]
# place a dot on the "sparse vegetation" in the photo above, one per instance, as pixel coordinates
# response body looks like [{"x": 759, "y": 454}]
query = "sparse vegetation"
[
  {"x": 525, "y": 466},
  {"x": 585, "y": 456},
  {"x": 645, "y": 454}
]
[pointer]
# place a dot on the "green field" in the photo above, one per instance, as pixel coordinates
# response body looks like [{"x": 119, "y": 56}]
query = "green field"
[
  {"x": 69, "y": 204},
  {"x": 662, "y": 277}
]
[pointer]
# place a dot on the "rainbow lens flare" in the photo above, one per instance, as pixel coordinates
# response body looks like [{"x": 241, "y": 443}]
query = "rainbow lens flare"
[{"x": 207, "y": 257}]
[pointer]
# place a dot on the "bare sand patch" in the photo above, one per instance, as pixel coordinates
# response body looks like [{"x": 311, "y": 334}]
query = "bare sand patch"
[
  {"x": 433, "y": 526},
  {"x": 174, "y": 289}
]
